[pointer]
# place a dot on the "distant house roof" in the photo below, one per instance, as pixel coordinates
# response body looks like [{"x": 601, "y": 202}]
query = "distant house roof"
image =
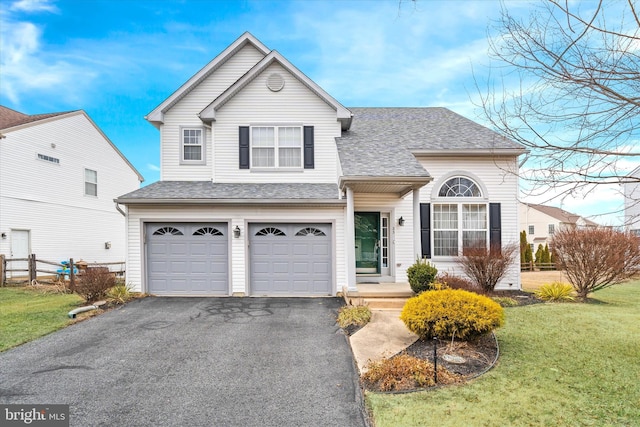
[
  {"x": 385, "y": 141},
  {"x": 562, "y": 215},
  {"x": 209, "y": 192},
  {"x": 10, "y": 118}
]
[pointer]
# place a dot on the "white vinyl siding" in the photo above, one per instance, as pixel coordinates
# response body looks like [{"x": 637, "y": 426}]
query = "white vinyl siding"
[
  {"x": 38, "y": 195},
  {"x": 184, "y": 114},
  {"x": 256, "y": 105},
  {"x": 498, "y": 185},
  {"x": 90, "y": 182}
]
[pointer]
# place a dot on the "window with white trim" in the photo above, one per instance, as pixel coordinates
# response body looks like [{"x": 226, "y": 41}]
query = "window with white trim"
[
  {"x": 552, "y": 229},
  {"x": 90, "y": 182},
  {"x": 192, "y": 146},
  {"x": 458, "y": 225},
  {"x": 276, "y": 146},
  {"x": 531, "y": 230}
]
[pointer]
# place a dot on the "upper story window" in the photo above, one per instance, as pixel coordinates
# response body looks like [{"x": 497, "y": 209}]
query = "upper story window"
[
  {"x": 552, "y": 229},
  {"x": 459, "y": 225},
  {"x": 90, "y": 182},
  {"x": 276, "y": 147},
  {"x": 48, "y": 158},
  {"x": 192, "y": 146},
  {"x": 531, "y": 230}
]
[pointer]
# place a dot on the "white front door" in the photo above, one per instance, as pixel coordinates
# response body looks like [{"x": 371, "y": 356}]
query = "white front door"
[{"x": 20, "y": 248}]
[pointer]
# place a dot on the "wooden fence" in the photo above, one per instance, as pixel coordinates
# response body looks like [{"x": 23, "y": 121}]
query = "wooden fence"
[
  {"x": 543, "y": 266},
  {"x": 67, "y": 271}
]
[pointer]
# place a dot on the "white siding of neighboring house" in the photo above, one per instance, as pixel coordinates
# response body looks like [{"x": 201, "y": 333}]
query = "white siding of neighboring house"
[
  {"x": 632, "y": 204},
  {"x": 256, "y": 104},
  {"x": 48, "y": 199},
  {"x": 185, "y": 113},
  {"x": 540, "y": 221},
  {"x": 235, "y": 216},
  {"x": 501, "y": 185}
]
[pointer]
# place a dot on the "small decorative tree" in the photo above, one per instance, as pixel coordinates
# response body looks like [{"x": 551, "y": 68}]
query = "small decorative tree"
[
  {"x": 596, "y": 258},
  {"x": 485, "y": 267}
]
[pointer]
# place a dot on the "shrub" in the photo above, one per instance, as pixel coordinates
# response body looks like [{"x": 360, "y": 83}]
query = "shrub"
[
  {"x": 451, "y": 313},
  {"x": 404, "y": 372},
  {"x": 120, "y": 293},
  {"x": 596, "y": 258},
  {"x": 555, "y": 292},
  {"x": 94, "y": 283},
  {"x": 485, "y": 267},
  {"x": 456, "y": 282},
  {"x": 421, "y": 276},
  {"x": 353, "y": 316}
]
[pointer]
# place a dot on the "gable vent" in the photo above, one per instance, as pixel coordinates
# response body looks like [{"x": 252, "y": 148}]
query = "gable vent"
[{"x": 275, "y": 82}]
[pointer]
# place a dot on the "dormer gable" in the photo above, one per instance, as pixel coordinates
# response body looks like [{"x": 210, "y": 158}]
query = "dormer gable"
[
  {"x": 208, "y": 114},
  {"x": 156, "y": 117}
]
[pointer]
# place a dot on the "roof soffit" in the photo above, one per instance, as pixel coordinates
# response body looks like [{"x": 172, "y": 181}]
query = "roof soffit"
[
  {"x": 157, "y": 115},
  {"x": 209, "y": 112}
]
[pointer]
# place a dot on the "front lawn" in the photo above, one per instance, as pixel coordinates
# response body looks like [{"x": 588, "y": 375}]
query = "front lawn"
[
  {"x": 26, "y": 314},
  {"x": 560, "y": 365}
]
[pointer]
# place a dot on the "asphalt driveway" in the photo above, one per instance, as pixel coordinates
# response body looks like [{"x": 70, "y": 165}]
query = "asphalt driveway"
[{"x": 194, "y": 362}]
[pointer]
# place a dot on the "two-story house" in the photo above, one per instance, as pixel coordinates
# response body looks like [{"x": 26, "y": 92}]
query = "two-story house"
[
  {"x": 541, "y": 222},
  {"x": 59, "y": 174},
  {"x": 270, "y": 186}
]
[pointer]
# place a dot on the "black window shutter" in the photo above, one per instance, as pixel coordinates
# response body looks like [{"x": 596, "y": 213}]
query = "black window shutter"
[
  {"x": 425, "y": 229},
  {"x": 495, "y": 226},
  {"x": 308, "y": 147},
  {"x": 244, "y": 147}
]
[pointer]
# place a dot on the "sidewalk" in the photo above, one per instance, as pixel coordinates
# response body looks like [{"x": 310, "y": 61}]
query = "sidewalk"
[{"x": 384, "y": 336}]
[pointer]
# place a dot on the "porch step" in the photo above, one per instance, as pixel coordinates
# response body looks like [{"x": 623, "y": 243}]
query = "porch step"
[{"x": 379, "y": 296}]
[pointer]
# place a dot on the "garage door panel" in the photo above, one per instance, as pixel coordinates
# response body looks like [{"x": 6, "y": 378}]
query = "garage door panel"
[
  {"x": 283, "y": 259},
  {"x": 187, "y": 259}
]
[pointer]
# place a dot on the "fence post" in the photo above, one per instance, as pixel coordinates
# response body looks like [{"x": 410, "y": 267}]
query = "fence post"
[
  {"x": 3, "y": 270},
  {"x": 72, "y": 277},
  {"x": 31, "y": 266}
]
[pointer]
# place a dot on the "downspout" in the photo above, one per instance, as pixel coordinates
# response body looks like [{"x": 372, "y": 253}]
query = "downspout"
[
  {"x": 119, "y": 209},
  {"x": 72, "y": 314}
]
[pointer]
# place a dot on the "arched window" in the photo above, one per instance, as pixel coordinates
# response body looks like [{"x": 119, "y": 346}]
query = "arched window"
[
  {"x": 207, "y": 231},
  {"x": 310, "y": 231},
  {"x": 270, "y": 231},
  {"x": 459, "y": 224},
  {"x": 167, "y": 230}
]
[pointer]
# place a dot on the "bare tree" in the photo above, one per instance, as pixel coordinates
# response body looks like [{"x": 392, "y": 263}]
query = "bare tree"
[
  {"x": 569, "y": 90},
  {"x": 596, "y": 258},
  {"x": 485, "y": 267}
]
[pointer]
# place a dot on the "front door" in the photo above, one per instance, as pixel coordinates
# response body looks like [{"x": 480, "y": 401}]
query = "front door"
[
  {"x": 20, "y": 248},
  {"x": 367, "y": 235}
]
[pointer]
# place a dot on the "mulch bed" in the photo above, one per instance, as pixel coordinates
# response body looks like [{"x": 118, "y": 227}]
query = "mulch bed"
[{"x": 468, "y": 359}]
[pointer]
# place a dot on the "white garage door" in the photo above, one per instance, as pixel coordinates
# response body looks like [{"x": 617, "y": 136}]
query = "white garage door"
[
  {"x": 290, "y": 259},
  {"x": 187, "y": 259}
]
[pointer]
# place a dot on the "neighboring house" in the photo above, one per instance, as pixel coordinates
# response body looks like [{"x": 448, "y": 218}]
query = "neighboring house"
[
  {"x": 270, "y": 186},
  {"x": 541, "y": 222},
  {"x": 59, "y": 175},
  {"x": 632, "y": 203}
]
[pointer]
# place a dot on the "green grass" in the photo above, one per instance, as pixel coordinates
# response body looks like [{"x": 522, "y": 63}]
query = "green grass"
[
  {"x": 560, "y": 365},
  {"x": 26, "y": 314}
]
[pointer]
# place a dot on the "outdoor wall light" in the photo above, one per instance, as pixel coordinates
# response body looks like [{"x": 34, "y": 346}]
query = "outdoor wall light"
[
  {"x": 4, "y": 235},
  {"x": 401, "y": 221},
  {"x": 107, "y": 245},
  {"x": 236, "y": 232}
]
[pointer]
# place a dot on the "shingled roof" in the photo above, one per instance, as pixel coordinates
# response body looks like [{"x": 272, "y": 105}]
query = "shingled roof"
[
  {"x": 561, "y": 215},
  {"x": 10, "y": 118},
  {"x": 209, "y": 192},
  {"x": 381, "y": 141}
]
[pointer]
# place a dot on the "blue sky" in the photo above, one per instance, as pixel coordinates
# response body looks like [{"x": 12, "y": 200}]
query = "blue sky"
[{"x": 118, "y": 59}]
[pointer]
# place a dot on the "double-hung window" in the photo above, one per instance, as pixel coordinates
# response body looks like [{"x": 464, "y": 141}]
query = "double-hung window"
[
  {"x": 90, "y": 182},
  {"x": 276, "y": 147},
  {"x": 459, "y": 221},
  {"x": 192, "y": 146}
]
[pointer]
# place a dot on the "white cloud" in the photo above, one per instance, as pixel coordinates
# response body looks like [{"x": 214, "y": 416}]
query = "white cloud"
[{"x": 33, "y": 6}]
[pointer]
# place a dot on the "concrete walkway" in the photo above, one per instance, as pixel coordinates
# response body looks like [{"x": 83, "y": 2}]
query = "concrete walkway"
[{"x": 384, "y": 336}]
